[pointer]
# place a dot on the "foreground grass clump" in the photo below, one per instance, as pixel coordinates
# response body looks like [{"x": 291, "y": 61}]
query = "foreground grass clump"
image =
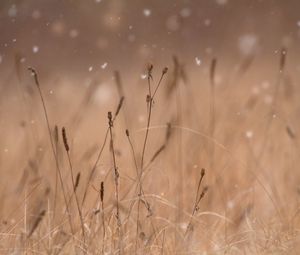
[{"x": 195, "y": 168}]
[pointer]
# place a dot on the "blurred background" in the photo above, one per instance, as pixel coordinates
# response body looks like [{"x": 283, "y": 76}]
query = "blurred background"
[{"x": 72, "y": 36}]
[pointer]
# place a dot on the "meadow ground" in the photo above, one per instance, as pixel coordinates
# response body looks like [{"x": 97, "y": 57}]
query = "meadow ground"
[{"x": 189, "y": 161}]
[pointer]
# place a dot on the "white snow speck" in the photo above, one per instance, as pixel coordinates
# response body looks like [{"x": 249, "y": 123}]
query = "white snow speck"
[
  {"x": 247, "y": 44},
  {"x": 147, "y": 12},
  {"x": 249, "y": 134},
  {"x": 230, "y": 204},
  {"x": 35, "y": 49},
  {"x": 131, "y": 38},
  {"x": 255, "y": 90},
  {"x": 185, "y": 12},
  {"x": 1, "y": 59},
  {"x": 90, "y": 68},
  {"x": 198, "y": 61},
  {"x": 104, "y": 65},
  {"x": 298, "y": 23},
  {"x": 14, "y": 40},
  {"x": 268, "y": 99},
  {"x": 265, "y": 85},
  {"x": 143, "y": 76},
  {"x": 207, "y": 22},
  {"x": 142, "y": 118},
  {"x": 36, "y": 14},
  {"x": 172, "y": 23},
  {"x": 184, "y": 225},
  {"x": 221, "y": 2},
  {"x": 73, "y": 33},
  {"x": 12, "y": 11},
  {"x": 103, "y": 94}
]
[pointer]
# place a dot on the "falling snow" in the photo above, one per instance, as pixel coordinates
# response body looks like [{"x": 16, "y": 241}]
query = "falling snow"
[
  {"x": 104, "y": 65},
  {"x": 12, "y": 11},
  {"x": 198, "y": 61},
  {"x": 35, "y": 49},
  {"x": 103, "y": 94},
  {"x": 36, "y": 14},
  {"x": 143, "y": 76},
  {"x": 73, "y": 33},
  {"x": 207, "y": 22},
  {"x": 249, "y": 134},
  {"x": 185, "y": 12},
  {"x": 247, "y": 44},
  {"x": 221, "y": 2},
  {"x": 172, "y": 23},
  {"x": 147, "y": 12}
]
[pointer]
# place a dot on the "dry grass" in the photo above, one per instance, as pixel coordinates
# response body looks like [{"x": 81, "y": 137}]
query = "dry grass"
[{"x": 221, "y": 177}]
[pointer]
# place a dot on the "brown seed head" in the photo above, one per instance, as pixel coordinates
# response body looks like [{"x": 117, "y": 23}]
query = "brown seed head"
[
  {"x": 165, "y": 70},
  {"x": 102, "y": 191},
  {"x": 65, "y": 140}
]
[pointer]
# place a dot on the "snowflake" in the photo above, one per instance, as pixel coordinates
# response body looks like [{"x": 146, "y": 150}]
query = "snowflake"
[
  {"x": 249, "y": 134},
  {"x": 73, "y": 33},
  {"x": 12, "y": 11},
  {"x": 185, "y": 12},
  {"x": 36, "y": 14},
  {"x": 104, "y": 65},
  {"x": 207, "y": 22},
  {"x": 35, "y": 49},
  {"x": 222, "y": 2},
  {"x": 90, "y": 68},
  {"x": 247, "y": 44},
  {"x": 147, "y": 12},
  {"x": 198, "y": 61}
]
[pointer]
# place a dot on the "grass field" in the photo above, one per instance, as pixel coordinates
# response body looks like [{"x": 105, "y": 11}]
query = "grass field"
[
  {"x": 178, "y": 162},
  {"x": 149, "y": 127}
]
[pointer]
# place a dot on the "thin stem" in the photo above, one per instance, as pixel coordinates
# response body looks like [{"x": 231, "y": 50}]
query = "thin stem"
[{"x": 34, "y": 73}]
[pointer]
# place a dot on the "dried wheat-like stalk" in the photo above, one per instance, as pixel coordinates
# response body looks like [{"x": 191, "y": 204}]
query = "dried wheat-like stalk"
[
  {"x": 35, "y": 76},
  {"x": 74, "y": 183}
]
